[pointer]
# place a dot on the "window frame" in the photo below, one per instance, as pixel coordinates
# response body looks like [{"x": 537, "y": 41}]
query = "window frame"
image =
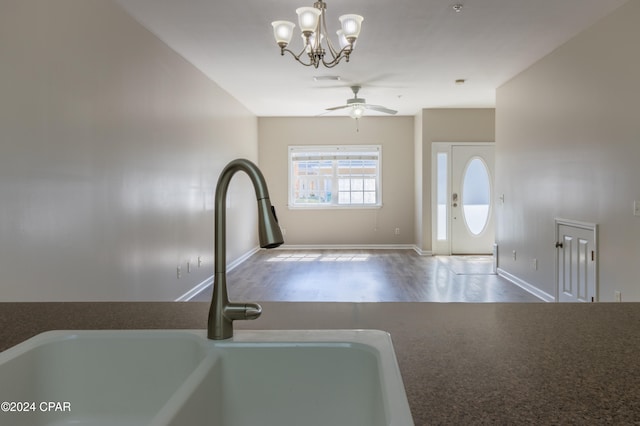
[{"x": 332, "y": 152}]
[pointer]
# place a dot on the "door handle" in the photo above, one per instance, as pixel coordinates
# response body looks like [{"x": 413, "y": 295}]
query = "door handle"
[{"x": 559, "y": 245}]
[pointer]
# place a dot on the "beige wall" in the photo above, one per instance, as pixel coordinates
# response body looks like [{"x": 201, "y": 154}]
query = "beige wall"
[
  {"x": 448, "y": 125},
  {"x": 568, "y": 146},
  {"x": 343, "y": 226},
  {"x": 110, "y": 148}
]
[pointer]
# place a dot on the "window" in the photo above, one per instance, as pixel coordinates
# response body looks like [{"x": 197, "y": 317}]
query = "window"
[
  {"x": 476, "y": 196},
  {"x": 441, "y": 195},
  {"x": 334, "y": 176}
]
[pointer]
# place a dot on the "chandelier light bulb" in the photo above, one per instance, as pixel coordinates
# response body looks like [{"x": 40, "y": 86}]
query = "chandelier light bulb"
[
  {"x": 342, "y": 39},
  {"x": 351, "y": 25},
  {"x": 308, "y": 18},
  {"x": 283, "y": 31}
]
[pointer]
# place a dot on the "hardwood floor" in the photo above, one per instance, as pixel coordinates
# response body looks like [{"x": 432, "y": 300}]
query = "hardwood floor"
[{"x": 367, "y": 276}]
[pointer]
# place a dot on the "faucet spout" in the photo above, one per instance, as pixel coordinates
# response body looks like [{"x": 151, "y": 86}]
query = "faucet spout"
[{"x": 222, "y": 313}]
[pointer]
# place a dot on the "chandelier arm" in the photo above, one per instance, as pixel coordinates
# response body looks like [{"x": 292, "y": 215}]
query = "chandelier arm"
[
  {"x": 331, "y": 64},
  {"x": 297, "y": 57},
  {"x": 343, "y": 54},
  {"x": 323, "y": 22}
]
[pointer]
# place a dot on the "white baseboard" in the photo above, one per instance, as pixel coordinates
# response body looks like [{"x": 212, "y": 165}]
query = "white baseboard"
[
  {"x": 195, "y": 290},
  {"x": 209, "y": 281},
  {"x": 346, "y": 247},
  {"x": 526, "y": 286},
  {"x": 238, "y": 261},
  {"x": 422, "y": 252}
]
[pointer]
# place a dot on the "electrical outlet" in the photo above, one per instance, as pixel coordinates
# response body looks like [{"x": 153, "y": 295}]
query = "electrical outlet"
[
  {"x": 178, "y": 272},
  {"x": 397, "y": 231},
  {"x": 618, "y": 296},
  {"x": 514, "y": 255},
  {"x": 534, "y": 264},
  {"x": 188, "y": 267},
  {"x": 636, "y": 208},
  {"x": 199, "y": 261}
]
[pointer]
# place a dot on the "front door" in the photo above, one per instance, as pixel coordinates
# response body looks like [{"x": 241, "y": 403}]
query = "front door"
[{"x": 472, "y": 224}]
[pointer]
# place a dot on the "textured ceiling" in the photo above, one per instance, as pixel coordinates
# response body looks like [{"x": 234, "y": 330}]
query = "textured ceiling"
[{"x": 408, "y": 56}]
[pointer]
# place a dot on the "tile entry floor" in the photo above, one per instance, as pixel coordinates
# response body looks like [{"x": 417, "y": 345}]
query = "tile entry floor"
[{"x": 367, "y": 276}]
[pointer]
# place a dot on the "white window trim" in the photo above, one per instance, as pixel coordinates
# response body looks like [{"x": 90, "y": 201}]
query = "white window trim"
[{"x": 333, "y": 148}]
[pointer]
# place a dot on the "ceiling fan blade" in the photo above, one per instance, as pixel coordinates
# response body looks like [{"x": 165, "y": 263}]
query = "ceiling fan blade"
[
  {"x": 338, "y": 107},
  {"x": 380, "y": 109}
]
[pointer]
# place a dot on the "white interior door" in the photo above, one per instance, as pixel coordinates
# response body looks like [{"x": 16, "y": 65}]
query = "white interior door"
[
  {"x": 576, "y": 262},
  {"x": 471, "y": 207}
]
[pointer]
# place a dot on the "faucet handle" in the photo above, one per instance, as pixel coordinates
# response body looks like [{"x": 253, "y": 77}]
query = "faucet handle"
[
  {"x": 242, "y": 311},
  {"x": 252, "y": 310}
]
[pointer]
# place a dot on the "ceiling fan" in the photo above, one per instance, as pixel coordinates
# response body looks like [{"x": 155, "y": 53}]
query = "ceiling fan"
[{"x": 359, "y": 105}]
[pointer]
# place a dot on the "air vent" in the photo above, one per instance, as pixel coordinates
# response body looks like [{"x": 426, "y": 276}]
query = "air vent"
[{"x": 326, "y": 78}]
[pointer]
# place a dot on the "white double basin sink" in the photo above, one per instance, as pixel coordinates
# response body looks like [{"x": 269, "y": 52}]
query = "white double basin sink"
[{"x": 179, "y": 377}]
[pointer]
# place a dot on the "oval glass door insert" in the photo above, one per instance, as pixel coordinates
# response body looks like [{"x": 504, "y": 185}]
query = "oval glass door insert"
[{"x": 476, "y": 193}]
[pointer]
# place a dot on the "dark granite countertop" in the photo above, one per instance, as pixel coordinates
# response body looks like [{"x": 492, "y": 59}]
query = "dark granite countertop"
[{"x": 461, "y": 363}]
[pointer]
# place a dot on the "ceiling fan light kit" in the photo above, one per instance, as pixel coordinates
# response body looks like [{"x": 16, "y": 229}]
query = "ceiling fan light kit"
[
  {"x": 313, "y": 26},
  {"x": 359, "y": 105},
  {"x": 356, "y": 112}
]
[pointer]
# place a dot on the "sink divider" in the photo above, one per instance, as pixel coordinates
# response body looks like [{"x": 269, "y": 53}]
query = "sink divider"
[{"x": 174, "y": 409}]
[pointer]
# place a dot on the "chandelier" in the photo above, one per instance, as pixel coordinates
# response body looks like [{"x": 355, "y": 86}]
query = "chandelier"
[{"x": 314, "y": 35}]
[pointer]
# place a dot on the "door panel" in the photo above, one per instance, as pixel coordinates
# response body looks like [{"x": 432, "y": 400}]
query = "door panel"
[
  {"x": 472, "y": 224},
  {"x": 576, "y": 264}
]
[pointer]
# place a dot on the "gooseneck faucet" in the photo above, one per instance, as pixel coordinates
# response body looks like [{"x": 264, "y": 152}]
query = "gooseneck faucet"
[{"x": 222, "y": 313}]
